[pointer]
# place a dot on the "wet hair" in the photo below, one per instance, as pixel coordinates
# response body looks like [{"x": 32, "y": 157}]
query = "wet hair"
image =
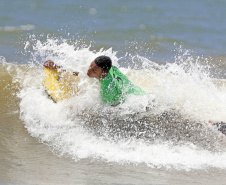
[{"x": 104, "y": 63}]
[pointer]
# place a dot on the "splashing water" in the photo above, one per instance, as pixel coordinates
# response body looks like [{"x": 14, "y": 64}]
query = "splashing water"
[{"x": 166, "y": 128}]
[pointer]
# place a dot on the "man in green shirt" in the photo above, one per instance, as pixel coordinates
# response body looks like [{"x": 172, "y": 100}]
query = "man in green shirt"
[{"x": 115, "y": 86}]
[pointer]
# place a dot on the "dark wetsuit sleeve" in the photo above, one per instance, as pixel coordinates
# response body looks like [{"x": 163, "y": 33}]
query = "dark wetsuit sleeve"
[{"x": 221, "y": 127}]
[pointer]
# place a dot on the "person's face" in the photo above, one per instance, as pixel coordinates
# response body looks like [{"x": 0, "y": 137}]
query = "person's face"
[{"x": 94, "y": 71}]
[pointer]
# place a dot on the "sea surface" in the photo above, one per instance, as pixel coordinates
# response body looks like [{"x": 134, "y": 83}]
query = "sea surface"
[{"x": 173, "y": 49}]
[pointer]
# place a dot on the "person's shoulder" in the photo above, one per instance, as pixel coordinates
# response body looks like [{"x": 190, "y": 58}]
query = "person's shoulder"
[{"x": 114, "y": 68}]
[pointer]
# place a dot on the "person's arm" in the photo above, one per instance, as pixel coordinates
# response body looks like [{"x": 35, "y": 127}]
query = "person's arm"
[
  {"x": 75, "y": 73},
  {"x": 51, "y": 65}
]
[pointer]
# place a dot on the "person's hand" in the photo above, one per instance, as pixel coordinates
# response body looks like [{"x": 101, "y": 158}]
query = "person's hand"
[
  {"x": 75, "y": 73},
  {"x": 50, "y": 64}
]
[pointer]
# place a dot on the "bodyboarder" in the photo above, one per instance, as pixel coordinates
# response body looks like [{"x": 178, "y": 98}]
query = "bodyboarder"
[{"x": 115, "y": 86}]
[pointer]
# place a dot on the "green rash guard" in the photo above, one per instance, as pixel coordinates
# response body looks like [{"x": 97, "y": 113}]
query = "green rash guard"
[{"x": 115, "y": 86}]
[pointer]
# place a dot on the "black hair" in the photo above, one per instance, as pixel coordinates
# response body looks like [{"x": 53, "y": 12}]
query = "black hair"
[{"x": 104, "y": 63}]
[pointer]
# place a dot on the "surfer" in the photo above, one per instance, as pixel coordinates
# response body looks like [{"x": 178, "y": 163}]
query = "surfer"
[{"x": 114, "y": 84}]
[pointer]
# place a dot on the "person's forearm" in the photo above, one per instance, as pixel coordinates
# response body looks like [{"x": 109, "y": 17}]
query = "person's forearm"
[
  {"x": 75, "y": 73},
  {"x": 51, "y": 65}
]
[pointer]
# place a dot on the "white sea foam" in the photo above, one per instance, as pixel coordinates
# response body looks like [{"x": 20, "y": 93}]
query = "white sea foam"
[
  {"x": 83, "y": 127},
  {"x": 17, "y": 28}
]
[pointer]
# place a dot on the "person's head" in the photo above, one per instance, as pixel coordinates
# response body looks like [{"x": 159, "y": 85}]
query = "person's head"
[{"x": 100, "y": 67}]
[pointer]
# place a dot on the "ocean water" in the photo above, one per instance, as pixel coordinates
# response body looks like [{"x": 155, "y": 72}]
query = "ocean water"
[{"x": 175, "y": 50}]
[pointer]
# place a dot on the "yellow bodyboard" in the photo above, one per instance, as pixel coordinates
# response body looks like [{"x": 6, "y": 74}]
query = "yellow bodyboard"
[{"x": 60, "y": 85}]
